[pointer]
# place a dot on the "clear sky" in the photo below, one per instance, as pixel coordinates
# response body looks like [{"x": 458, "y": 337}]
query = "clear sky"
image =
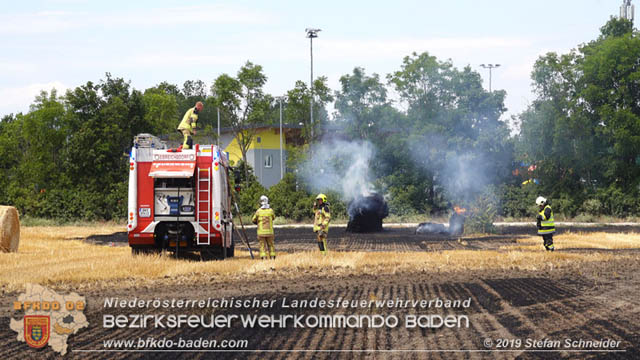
[{"x": 65, "y": 43}]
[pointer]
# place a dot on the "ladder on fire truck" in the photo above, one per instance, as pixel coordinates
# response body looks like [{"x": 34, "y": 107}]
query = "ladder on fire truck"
[{"x": 203, "y": 210}]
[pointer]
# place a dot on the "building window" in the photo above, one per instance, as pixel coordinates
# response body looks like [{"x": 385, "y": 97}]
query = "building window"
[{"x": 268, "y": 161}]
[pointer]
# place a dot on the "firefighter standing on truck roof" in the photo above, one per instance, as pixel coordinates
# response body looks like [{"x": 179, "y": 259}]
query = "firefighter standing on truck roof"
[
  {"x": 545, "y": 223},
  {"x": 188, "y": 125},
  {"x": 321, "y": 221},
  {"x": 264, "y": 217}
]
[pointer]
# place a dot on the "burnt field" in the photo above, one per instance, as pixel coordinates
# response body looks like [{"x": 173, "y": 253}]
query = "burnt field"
[
  {"x": 598, "y": 303},
  {"x": 392, "y": 238},
  {"x": 405, "y": 238},
  {"x": 512, "y": 312}
]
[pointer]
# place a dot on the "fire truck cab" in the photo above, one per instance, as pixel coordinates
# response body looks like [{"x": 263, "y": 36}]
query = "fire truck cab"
[{"x": 179, "y": 200}]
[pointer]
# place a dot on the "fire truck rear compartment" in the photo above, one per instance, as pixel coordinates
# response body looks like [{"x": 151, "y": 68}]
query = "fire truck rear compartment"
[
  {"x": 168, "y": 232},
  {"x": 179, "y": 200}
]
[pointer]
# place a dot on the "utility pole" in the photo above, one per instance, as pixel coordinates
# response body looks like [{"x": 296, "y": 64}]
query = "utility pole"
[
  {"x": 218, "y": 141},
  {"x": 280, "y": 98},
  {"x": 490, "y": 67},
  {"x": 311, "y": 34}
]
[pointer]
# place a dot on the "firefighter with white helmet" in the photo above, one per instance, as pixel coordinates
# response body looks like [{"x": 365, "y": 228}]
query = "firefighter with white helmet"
[
  {"x": 188, "y": 124},
  {"x": 321, "y": 221},
  {"x": 545, "y": 223},
  {"x": 264, "y": 217}
]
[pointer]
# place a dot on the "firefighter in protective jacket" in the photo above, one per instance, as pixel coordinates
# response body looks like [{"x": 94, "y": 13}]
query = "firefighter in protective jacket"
[
  {"x": 545, "y": 223},
  {"x": 264, "y": 217},
  {"x": 321, "y": 221},
  {"x": 188, "y": 125}
]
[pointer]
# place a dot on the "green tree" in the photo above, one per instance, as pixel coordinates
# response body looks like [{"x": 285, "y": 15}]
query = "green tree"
[
  {"x": 102, "y": 121},
  {"x": 11, "y": 155},
  {"x": 360, "y": 103},
  {"x": 243, "y": 103},
  {"x": 161, "y": 111},
  {"x": 452, "y": 129},
  {"x": 194, "y": 91},
  {"x": 582, "y": 128},
  {"x": 43, "y": 137},
  {"x": 610, "y": 92},
  {"x": 298, "y": 106}
]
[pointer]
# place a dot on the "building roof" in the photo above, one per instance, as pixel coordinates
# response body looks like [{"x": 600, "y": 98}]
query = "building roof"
[{"x": 227, "y": 129}]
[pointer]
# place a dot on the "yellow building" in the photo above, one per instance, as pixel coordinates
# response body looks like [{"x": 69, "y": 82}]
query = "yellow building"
[{"x": 263, "y": 153}]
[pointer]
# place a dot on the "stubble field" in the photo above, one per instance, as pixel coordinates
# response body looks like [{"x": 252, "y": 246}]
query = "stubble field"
[{"x": 586, "y": 289}]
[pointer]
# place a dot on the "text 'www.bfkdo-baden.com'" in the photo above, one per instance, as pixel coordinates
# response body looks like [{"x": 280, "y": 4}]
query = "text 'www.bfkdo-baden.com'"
[{"x": 166, "y": 343}]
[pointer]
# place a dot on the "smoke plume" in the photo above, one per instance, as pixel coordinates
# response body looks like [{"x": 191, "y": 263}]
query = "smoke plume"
[
  {"x": 462, "y": 174},
  {"x": 341, "y": 166}
]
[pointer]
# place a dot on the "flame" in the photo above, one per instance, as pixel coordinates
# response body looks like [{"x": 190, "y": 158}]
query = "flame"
[{"x": 459, "y": 210}]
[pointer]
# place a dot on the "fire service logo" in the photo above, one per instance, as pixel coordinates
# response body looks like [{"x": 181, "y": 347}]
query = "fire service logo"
[
  {"x": 36, "y": 330},
  {"x": 49, "y": 318}
]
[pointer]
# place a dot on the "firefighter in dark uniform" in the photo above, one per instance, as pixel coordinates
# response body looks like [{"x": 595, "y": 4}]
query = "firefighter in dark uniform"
[
  {"x": 321, "y": 221},
  {"x": 545, "y": 223},
  {"x": 188, "y": 125}
]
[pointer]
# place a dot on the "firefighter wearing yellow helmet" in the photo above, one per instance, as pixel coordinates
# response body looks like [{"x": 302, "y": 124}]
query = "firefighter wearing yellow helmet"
[
  {"x": 188, "y": 124},
  {"x": 545, "y": 223},
  {"x": 264, "y": 217},
  {"x": 321, "y": 221}
]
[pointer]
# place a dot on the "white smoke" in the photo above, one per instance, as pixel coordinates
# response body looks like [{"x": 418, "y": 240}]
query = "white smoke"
[
  {"x": 341, "y": 166},
  {"x": 463, "y": 175}
]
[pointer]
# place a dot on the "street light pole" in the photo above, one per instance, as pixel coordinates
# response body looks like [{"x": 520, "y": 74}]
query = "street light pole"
[
  {"x": 311, "y": 34},
  {"x": 218, "y": 141},
  {"x": 280, "y": 98},
  {"x": 490, "y": 67}
]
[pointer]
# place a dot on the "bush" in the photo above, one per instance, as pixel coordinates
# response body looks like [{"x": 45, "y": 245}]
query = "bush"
[
  {"x": 303, "y": 208},
  {"x": 249, "y": 198},
  {"x": 565, "y": 205},
  {"x": 483, "y": 213},
  {"x": 592, "y": 207},
  {"x": 582, "y": 217},
  {"x": 401, "y": 200},
  {"x": 618, "y": 202},
  {"x": 73, "y": 204},
  {"x": 288, "y": 201},
  {"x": 117, "y": 202},
  {"x": 518, "y": 201}
]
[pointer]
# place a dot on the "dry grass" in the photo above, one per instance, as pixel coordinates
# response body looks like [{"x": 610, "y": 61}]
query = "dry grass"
[
  {"x": 601, "y": 240},
  {"x": 57, "y": 256}
]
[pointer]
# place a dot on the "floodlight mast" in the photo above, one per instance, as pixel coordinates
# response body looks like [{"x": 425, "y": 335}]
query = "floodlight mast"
[
  {"x": 311, "y": 34},
  {"x": 490, "y": 67},
  {"x": 280, "y": 99},
  {"x": 627, "y": 10}
]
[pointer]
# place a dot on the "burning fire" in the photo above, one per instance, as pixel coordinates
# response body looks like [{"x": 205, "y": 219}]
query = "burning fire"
[{"x": 459, "y": 210}]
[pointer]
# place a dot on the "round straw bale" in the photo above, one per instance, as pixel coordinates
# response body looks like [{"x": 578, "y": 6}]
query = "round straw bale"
[{"x": 9, "y": 229}]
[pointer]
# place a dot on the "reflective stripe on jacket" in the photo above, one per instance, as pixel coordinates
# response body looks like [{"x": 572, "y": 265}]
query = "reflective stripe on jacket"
[
  {"x": 189, "y": 120},
  {"x": 547, "y": 224},
  {"x": 264, "y": 218},
  {"x": 322, "y": 218}
]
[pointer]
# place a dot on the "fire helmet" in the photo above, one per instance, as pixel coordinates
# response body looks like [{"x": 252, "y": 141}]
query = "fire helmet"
[
  {"x": 322, "y": 197},
  {"x": 264, "y": 200},
  {"x": 540, "y": 201}
]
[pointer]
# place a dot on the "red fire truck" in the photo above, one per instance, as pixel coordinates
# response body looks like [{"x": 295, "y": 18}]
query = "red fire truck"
[{"x": 179, "y": 200}]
